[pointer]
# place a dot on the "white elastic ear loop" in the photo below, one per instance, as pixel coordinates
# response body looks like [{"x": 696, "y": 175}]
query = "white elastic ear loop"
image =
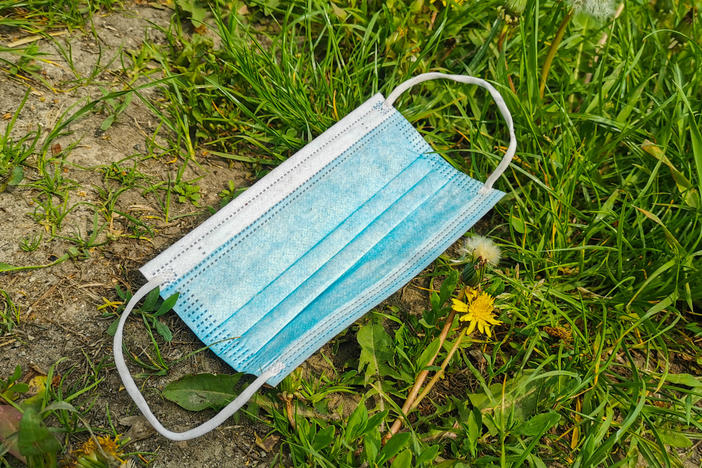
[
  {"x": 138, "y": 398},
  {"x": 495, "y": 95}
]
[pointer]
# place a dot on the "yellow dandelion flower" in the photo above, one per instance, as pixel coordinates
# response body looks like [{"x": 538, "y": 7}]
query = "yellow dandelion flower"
[
  {"x": 457, "y": 2},
  {"x": 111, "y": 447},
  {"x": 478, "y": 312},
  {"x": 95, "y": 452},
  {"x": 471, "y": 294}
]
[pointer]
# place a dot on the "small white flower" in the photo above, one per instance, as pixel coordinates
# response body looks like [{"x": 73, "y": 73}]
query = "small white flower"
[
  {"x": 482, "y": 247},
  {"x": 598, "y": 9}
]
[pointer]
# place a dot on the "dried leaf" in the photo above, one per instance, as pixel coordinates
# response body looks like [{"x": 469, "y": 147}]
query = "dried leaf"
[
  {"x": 35, "y": 439},
  {"x": 139, "y": 427},
  {"x": 9, "y": 425},
  {"x": 268, "y": 443}
]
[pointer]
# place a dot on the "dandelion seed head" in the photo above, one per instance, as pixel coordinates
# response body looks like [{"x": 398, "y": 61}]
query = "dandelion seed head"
[
  {"x": 482, "y": 247},
  {"x": 516, "y": 6},
  {"x": 598, "y": 9}
]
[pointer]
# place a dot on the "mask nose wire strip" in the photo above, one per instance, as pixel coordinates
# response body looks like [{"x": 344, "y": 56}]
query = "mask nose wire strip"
[
  {"x": 496, "y": 96},
  {"x": 138, "y": 398}
]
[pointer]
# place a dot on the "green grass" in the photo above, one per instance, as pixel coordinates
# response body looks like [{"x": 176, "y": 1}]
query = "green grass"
[
  {"x": 38, "y": 16},
  {"x": 600, "y": 228},
  {"x": 13, "y": 152},
  {"x": 9, "y": 314}
]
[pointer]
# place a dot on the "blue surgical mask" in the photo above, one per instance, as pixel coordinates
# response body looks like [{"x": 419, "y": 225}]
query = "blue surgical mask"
[{"x": 316, "y": 243}]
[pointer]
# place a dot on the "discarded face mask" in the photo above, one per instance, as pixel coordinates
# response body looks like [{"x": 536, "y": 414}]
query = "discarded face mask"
[{"x": 315, "y": 244}]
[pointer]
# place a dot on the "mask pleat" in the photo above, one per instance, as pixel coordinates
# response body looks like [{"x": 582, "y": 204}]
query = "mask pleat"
[{"x": 368, "y": 232}]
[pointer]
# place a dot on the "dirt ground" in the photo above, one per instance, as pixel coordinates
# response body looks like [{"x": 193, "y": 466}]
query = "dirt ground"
[{"x": 59, "y": 305}]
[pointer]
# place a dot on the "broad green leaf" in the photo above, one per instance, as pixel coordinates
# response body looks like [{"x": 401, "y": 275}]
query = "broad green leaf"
[
  {"x": 107, "y": 123},
  {"x": 112, "y": 329},
  {"x": 403, "y": 460},
  {"x": 197, "y": 392},
  {"x": 474, "y": 430},
  {"x": 35, "y": 439},
  {"x": 371, "y": 444},
  {"x": 197, "y": 12},
  {"x": 684, "y": 379},
  {"x": 324, "y": 438},
  {"x": 167, "y": 305},
  {"x": 304, "y": 428},
  {"x": 13, "y": 390},
  {"x": 427, "y": 354},
  {"x": 539, "y": 424},
  {"x": 37, "y": 389},
  {"x": 60, "y": 405},
  {"x": 675, "y": 439},
  {"x": 375, "y": 420},
  {"x": 163, "y": 330},
  {"x": 393, "y": 446},
  {"x": 150, "y": 300},
  {"x": 16, "y": 374},
  {"x": 517, "y": 224},
  {"x": 428, "y": 455},
  {"x": 16, "y": 176},
  {"x": 448, "y": 286},
  {"x": 376, "y": 350},
  {"x": 434, "y": 301},
  {"x": 357, "y": 421}
]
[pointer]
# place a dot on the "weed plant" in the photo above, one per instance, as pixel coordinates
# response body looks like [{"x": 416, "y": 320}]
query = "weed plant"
[{"x": 13, "y": 152}]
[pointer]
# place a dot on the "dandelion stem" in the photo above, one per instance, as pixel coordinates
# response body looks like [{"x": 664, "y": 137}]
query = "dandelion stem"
[
  {"x": 440, "y": 372},
  {"x": 421, "y": 377},
  {"x": 552, "y": 51}
]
